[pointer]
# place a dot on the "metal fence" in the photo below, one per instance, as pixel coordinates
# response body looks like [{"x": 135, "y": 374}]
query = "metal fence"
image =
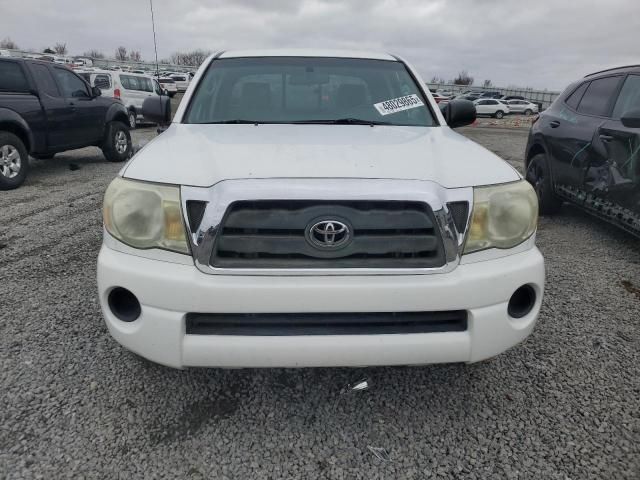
[{"x": 543, "y": 98}]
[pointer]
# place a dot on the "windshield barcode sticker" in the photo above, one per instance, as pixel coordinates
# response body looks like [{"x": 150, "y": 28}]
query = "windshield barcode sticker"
[{"x": 398, "y": 104}]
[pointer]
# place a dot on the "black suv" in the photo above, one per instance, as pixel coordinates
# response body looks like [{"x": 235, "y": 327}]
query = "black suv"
[
  {"x": 585, "y": 148},
  {"x": 46, "y": 108}
]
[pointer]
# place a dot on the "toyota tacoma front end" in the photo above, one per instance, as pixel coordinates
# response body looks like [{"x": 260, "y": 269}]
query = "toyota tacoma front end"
[{"x": 314, "y": 209}]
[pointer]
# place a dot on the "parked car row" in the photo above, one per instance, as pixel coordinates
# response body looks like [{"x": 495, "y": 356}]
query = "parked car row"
[
  {"x": 498, "y": 108},
  {"x": 491, "y": 103}
]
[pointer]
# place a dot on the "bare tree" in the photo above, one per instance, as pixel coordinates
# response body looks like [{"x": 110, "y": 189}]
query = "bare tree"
[
  {"x": 8, "y": 44},
  {"x": 487, "y": 84},
  {"x": 121, "y": 53},
  {"x": 437, "y": 80},
  {"x": 135, "y": 55},
  {"x": 193, "y": 58},
  {"x": 93, "y": 54},
  {"x": 48, "y": 50},
  {"x": 463, "y": 78},
  {"x": 60, "y": 48}
]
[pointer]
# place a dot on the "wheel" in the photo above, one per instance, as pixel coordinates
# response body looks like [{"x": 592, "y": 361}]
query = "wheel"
[
  {"x": 117, "y": 146},
  {"x": 528, "y": 112},
  {"x": 133, "y": 119},
  {"x": 499, "y": 114},
  {"x": 539, "y": 176},
  {"x": 14, "y": 161}
]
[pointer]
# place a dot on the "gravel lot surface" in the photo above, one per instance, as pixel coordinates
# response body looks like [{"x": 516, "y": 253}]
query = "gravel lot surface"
[{"x": 74, "y": 404}]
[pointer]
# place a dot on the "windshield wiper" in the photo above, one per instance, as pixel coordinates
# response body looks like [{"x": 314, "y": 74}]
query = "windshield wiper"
[{"x": 344, "y": 121}]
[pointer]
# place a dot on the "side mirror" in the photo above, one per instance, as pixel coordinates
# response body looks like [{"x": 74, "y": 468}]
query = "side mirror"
[
  {"x": 96, "y": 92},
  {"x": 631, "y": 119},
  {"x": 459, "y": 113},
  {"x": 157, "y": 109}
]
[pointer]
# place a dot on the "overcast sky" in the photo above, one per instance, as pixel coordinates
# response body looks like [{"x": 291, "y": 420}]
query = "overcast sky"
[{"x": 535, "y": 43}]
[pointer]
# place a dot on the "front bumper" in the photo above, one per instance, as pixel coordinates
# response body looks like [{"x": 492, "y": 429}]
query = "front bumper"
[{"x": 167, "y": 291}]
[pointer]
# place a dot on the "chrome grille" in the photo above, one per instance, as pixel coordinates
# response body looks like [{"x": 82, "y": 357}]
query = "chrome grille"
[{"x": 274, "y": 234}]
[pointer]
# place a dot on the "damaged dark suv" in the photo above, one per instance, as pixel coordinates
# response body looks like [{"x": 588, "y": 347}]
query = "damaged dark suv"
[{"x": 585, "y": 149}]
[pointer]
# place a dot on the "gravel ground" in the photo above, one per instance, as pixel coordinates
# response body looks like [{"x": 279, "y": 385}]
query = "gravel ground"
[{"x": 74, "y": 404}]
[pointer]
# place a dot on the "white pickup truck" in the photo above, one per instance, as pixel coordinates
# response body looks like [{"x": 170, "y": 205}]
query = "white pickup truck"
[{"x": 315, "y": 208}]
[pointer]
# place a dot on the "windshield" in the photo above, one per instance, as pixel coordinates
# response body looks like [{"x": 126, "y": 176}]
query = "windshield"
[{"x": 308, "y": 90}]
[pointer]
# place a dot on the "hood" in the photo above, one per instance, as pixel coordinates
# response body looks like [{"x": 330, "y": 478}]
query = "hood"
[{"x": 202, "y": 155}]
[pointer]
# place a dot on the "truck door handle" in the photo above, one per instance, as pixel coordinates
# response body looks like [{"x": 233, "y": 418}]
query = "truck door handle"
[
  {"x": 606, "y": 138},
  {"x": 554, "y": 124}
]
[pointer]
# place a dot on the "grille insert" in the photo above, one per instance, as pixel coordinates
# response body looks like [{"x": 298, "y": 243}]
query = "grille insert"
[
  {"x": 285, "y": 324},
  {"x": 271, "y": 234},
  {"x": 195, "y": 212},
  {"x": 460, "y": 213}
]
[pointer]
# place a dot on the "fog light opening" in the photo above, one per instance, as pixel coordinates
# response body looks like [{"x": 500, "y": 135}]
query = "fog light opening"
[
  {"x": 522, "y": 301},
  {"x": 124, "y": 304}
]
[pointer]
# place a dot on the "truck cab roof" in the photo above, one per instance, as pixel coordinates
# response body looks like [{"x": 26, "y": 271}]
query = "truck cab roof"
[{"x": 306, "y": 52}]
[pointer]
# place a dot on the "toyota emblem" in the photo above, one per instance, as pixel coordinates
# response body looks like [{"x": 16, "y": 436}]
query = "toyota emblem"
[{"x": 329, "y": 234}]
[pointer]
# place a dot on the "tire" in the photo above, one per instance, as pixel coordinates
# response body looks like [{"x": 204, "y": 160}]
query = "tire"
[
  {"x": 117, "y": 146},
  {"x": 539, "y": 176},
  {"x": 14, "y": 161},
  {"x": 528, "y": 112},
  {"x": 133, "y": 119},
  {"x": 499, "y": 114}
]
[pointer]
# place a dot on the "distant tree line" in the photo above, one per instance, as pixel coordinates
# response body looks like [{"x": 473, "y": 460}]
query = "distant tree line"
[
  {"x": 463, "y": 78},
  {"x": 8, "y": 44},
  {"x": 191, "y": 58}
]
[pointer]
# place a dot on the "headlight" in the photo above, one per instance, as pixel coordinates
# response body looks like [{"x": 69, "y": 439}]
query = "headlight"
[
  {"x": 503, "y": 216},
  {"x": 145, "y": 215}
]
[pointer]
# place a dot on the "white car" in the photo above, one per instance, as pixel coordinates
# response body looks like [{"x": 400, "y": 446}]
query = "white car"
[
  {"x": 81, "y": 62},
  {"x": 169, "y": 85},
  {"x": 522, "y": 106},
  {"x": 131, "y": 88},
  {"x": 491, "y": 106},
  {"x": 315, "y": 208},
  {"x": 182, "y": 81},
  {"x": 62, "y": 60}
]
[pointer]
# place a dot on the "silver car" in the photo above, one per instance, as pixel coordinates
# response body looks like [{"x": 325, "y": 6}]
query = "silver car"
[{"x": 522, "y": 106}]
